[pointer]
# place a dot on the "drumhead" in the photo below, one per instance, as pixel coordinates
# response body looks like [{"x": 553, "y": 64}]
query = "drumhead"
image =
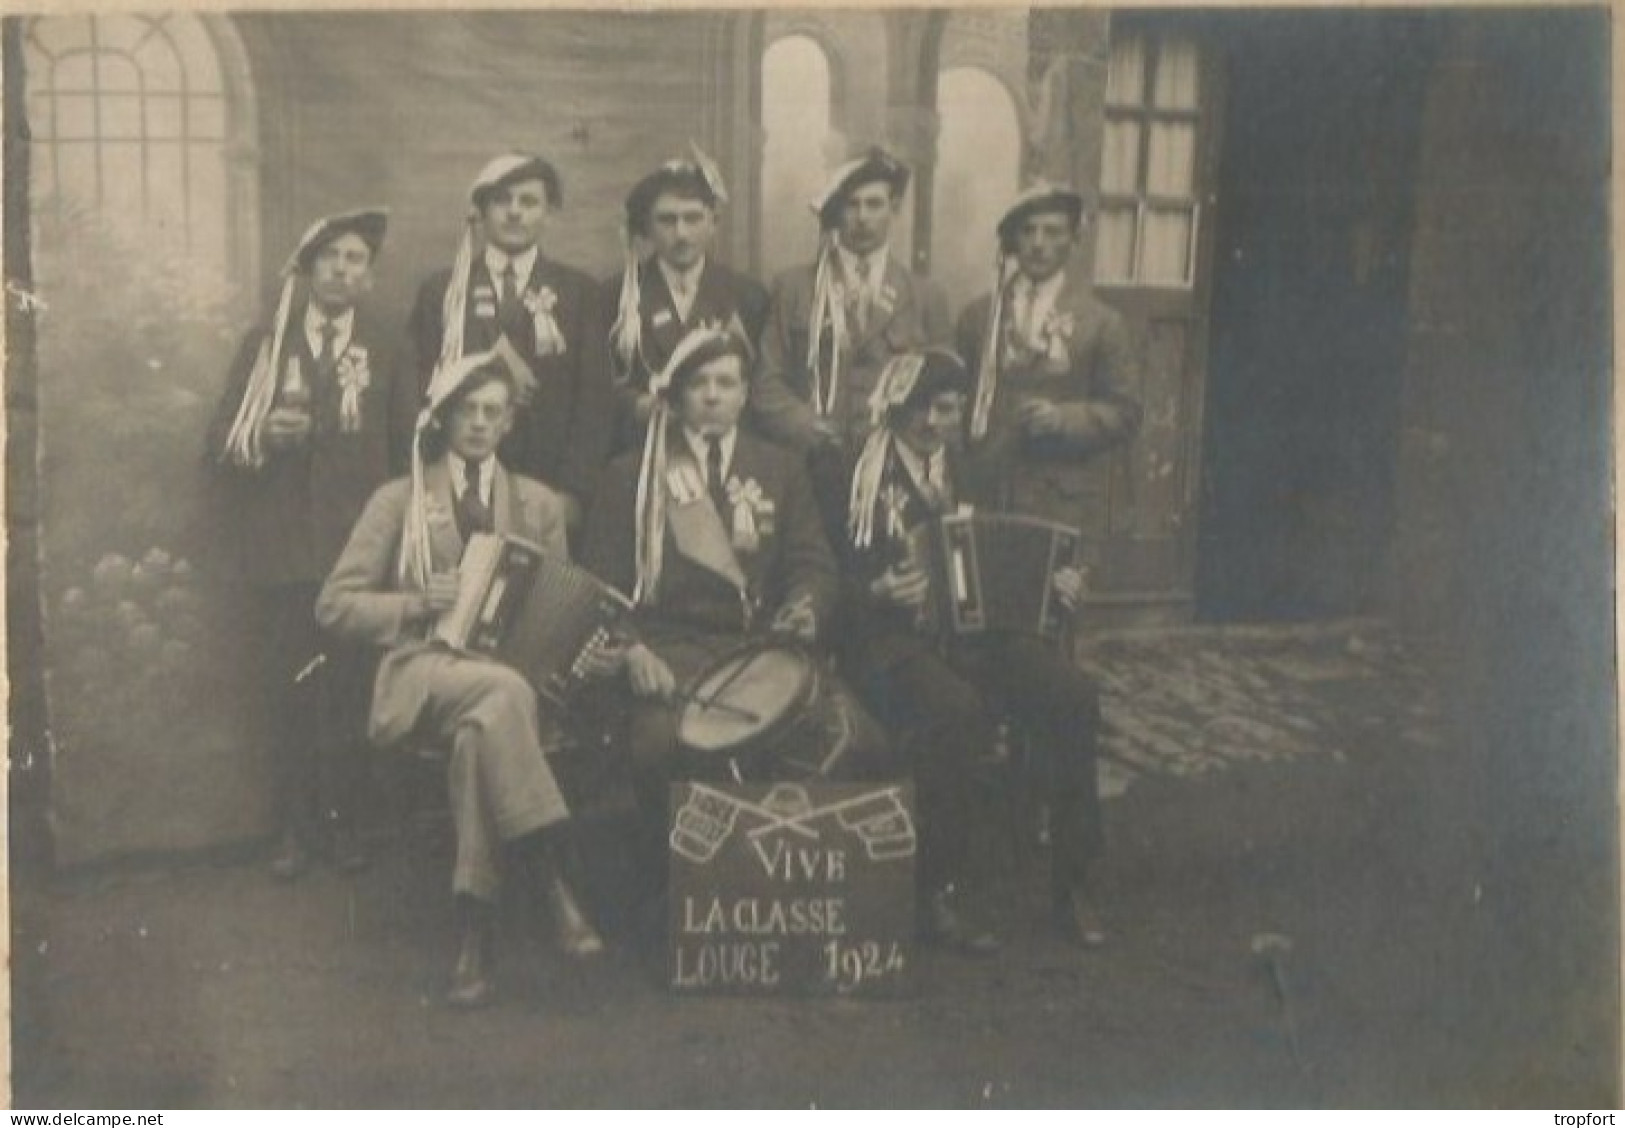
[{"x": 757, "y": 691}]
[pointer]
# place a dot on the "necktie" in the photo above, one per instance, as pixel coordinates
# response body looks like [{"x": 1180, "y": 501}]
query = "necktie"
[
  {"x": 510, "y": 291},
  {"x": 861, "y": 313},
  {"x": 326, "y": 358},
  {"x": 713, "y": 474},
  {"x": 1021, "y": 311},
  {"x": 936, "y": 478},
  {"x": 472, "y": 514},
  {"x": 682, "y": 297}
]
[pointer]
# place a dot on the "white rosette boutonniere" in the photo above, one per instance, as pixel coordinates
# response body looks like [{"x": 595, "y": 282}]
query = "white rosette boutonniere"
[
  {"x": 549, "y": 336},
  {"x": 886, "y": 300},
  {"x": 1058, "y": 330},
  {"x": 752, "y": 514},
  {"x": 355, "y": 376}
]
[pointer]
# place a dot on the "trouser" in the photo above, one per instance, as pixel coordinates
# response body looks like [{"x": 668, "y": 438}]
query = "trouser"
[
  {"x": 945, "y": 711},
  {"x": 317, "y": 723},
  {"x": 501, "y": 785}
]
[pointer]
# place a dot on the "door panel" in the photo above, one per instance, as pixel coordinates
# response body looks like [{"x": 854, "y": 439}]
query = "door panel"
[{"x": 1153, "y": 263}]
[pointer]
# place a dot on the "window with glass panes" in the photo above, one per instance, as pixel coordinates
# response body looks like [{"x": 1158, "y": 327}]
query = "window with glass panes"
[
  {"x": 1148, "y": 210},
  {"x": 128, "y": 115}
]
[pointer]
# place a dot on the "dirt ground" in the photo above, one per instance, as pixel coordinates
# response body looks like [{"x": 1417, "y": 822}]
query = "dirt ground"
[{"x": 1306, "y": 785}]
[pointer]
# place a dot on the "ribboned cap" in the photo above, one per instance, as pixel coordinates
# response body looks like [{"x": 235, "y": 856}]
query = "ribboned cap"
[
  {"x": 512, "y": 168},
  {"x": 369, "y": 223},
  {"x": 876, "y": 165}
]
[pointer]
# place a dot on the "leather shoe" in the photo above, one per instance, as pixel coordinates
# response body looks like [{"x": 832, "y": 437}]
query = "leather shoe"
[
  {"x": 945, "y": 924},
  {"x": 572, "y": 931},
  {"x": 1078, "y": 917},
  {"x": 348, "y": 854},
  {"x": 471, "y": 984},
  {"x": 291, "y": 860}
]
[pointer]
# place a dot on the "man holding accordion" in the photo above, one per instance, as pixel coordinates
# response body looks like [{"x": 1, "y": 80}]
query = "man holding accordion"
[
  {"x": 942, "y": 696},
  {"x": 397, "y": 576}
]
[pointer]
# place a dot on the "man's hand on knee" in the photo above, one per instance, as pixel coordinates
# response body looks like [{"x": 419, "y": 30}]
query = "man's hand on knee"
[{"x": 648, "y": 672}]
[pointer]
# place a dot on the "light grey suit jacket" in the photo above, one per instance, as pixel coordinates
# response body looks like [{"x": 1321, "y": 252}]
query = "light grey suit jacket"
[
  {"x": 364, "y": 601},
  {"x": 1095, "y": 386},
  {"x": 914, "y": 314}
]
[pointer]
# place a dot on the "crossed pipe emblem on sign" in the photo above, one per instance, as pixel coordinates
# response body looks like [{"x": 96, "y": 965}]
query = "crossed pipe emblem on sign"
[{"x": 708, "y": 816}]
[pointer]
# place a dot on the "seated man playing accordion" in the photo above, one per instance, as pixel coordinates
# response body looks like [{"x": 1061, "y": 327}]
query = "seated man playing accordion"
[
  {"x": 718, "y": 537},
  {"x": 397, "y": 574},
  {"x": 942, "y": 700}
]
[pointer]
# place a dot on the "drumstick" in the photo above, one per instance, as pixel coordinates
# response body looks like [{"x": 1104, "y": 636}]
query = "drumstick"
[
  {"x": 719, "y": 706},
  {"x": 733, "y": 676}
]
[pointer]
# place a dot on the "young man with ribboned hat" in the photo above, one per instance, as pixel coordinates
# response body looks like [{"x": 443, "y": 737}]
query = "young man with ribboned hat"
[
  {"x": 716, "y": 534},
  {"x": 315, "y": 410},
  {"x": 834, "y": 323},
  {"x": 941, "y": 699},
  {"x": 502, "y": 286},
  {"x": 672, "y": 282},
  {"x": 1057, "y": 371},
  {"x": 397, "y": 574}
]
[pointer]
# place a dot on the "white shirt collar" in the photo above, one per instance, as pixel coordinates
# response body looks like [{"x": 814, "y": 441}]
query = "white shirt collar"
[
  {"x": 877, "y": 264},
  {"x": 700, "y": 447},
  {"x": 459, "y": 476},
  {"x": 1043, "y": 296},
  {"x": 673, "y": 277},
  {"x": 496, "y": 261},
  {"x": 925, "y": 472},
  {"x": 315, "y": 319},
  {"x": 683, "y": 285}
]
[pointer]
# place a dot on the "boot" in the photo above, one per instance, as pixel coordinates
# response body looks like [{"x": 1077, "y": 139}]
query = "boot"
[
  {"x": 348, "y": 854},
  {"x": 1076, "y": 913},
  {"x": 573, "y": 932},
  {"x": 944, "y": 922},
  {"x": 471, "y": 983},
  {"x": 291, "y": 860}
]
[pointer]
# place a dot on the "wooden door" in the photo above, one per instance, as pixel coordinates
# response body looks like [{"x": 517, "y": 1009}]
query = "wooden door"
[{"x": 1152, "y": 260}]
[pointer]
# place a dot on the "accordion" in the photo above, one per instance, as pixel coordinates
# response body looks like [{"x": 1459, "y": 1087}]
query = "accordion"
[
  {"x": 539, "y": 614},
  {"x": 992, "y": 573}
]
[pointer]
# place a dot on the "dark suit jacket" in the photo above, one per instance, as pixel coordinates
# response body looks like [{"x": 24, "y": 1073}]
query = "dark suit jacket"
[
  {"x": 564, "y": 436},
  {"x": 285, "y": 521},
  {"x": 781, "y": 398},
  {"x": 1096, "y": 385},
  {"x": 723, "y": 294},
  {"x": 363, "y": 601},
  {"x": 794, "y": 558},
  {"x": 875, "y": 636}
]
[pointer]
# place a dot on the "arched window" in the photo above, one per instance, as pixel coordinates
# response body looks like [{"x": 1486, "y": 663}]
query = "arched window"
[
  {"x": 978, "y": 172},
  {"x": 141, "y": 119},
  {"x": 796, "y": 88}
]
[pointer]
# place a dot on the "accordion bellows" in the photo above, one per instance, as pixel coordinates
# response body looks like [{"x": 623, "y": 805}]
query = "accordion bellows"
[
  {"x": 991, "y": 572},
  {"x": 539, "y": 614}
]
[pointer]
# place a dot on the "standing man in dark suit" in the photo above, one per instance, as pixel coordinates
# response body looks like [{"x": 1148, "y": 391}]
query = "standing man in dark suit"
[
  {"x": 661, "y": 296},
  {"x": 315, "y": 410},
  {"x": 941, "y": 701},
  {"x": 502, "y": 286},
  {"x": 834, "y": 324},
  {"x": 716, "y": 533},
  {"x": 1058, "y": 378}
]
